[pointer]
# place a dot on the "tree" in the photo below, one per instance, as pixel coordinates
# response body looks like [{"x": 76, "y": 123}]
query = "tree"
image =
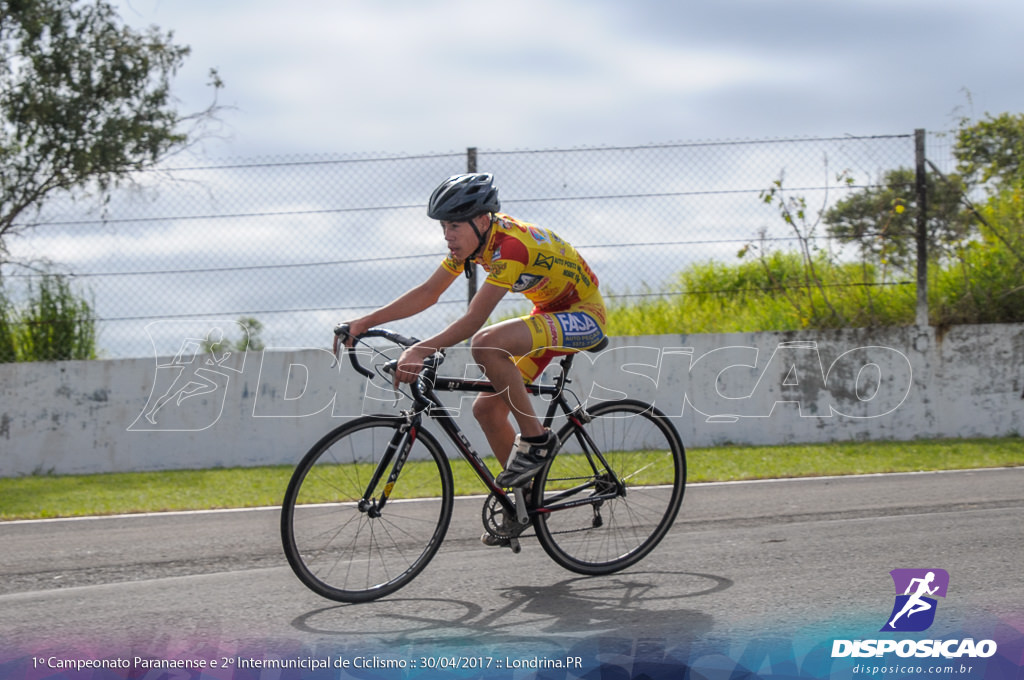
[
  {"x": 882, "y": 219},
  {"x": 991, "y": 152},
  {"x": 250, "y": 340},
  {"x": 84, "y": 102}
]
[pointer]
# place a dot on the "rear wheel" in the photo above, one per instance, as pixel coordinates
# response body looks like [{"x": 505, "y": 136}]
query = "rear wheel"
[
  {"x": 338, "y": 539},
  {"x": 612, "y": 490}
]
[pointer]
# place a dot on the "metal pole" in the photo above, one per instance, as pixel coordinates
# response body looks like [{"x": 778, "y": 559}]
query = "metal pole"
[
  {"x": 921, "y": 186},
  {"x": 471, "y": 277}
]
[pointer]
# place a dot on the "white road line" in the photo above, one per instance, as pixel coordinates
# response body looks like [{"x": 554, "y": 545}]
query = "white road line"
[{"x": 179, "y": 513}]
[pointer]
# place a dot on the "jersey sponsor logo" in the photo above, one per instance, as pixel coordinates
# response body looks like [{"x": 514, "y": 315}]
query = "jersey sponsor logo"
[
  {"x": 552, "y": 330},
  {"x": 546, "y": 261},
  {"x": 579, "y": 330},
  {"x": 526, "y": 282}
]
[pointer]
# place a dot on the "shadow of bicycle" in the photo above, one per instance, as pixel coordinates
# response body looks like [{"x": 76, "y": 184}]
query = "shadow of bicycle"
[{"x": 637, "y": 603}]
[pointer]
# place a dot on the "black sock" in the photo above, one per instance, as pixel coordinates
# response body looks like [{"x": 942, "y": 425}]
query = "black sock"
[{"x": 539, "y": 439}]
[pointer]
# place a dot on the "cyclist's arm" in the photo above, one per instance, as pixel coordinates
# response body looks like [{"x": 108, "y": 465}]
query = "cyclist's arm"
[
  {"x": 463, "y": 328},
  {"x": 412, "y": 302}
]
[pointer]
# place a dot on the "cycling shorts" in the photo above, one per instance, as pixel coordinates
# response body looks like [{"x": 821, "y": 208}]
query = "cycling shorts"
[{"x": 578, "y": 327}]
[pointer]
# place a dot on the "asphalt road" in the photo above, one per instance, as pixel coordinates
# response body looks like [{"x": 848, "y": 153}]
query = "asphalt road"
[{"x": 764, "y": 558}]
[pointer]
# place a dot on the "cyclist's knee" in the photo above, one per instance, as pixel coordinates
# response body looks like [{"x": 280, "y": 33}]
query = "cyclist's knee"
[{"x": 487, "y": 346}]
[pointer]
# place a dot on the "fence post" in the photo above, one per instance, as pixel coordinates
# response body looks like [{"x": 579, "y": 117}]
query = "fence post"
[
  {"x": 921, "y": 187},
  {"x": 471, "y": 272}
]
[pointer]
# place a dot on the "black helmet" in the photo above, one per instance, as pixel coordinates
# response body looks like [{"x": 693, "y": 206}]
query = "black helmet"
[{"x": 462, "y": 197}]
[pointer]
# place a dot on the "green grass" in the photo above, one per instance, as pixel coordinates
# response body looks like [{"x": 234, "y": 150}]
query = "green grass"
[
  {"x": 815, "y": 460},
  {"x": 46, "y": 496}
]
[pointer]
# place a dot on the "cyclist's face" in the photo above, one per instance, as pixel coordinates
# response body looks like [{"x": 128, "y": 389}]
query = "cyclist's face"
[{"x": 461, "y": 239}]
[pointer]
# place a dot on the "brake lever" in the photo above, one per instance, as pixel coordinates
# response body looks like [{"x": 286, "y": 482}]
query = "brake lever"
[
  {"x": 341, "y": 336},
  {"x": 388, "y": 370}
]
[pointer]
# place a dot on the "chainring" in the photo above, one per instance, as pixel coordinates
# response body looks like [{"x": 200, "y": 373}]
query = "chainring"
[{"x": 496, "y": 522}]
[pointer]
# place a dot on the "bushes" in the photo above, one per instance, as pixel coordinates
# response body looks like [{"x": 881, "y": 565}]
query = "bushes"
[
  {"x": 53, "y": 324},
  {"x": 769, "y": 295},
  {"x": 981, "y": 283}
]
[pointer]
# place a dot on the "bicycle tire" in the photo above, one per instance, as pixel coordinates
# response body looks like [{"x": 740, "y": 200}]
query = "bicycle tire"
[
  {"x": 601, "y": 537},
  {"x": 340, "y": 550}
]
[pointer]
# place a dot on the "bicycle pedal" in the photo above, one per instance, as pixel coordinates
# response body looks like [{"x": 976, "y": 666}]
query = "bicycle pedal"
[{"x": 513, "y": 543}]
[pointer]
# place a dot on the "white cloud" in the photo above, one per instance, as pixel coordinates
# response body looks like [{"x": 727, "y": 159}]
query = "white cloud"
[{"x": 319, "y": 75}]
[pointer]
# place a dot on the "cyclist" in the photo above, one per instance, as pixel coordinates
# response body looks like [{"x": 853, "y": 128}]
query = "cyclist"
[{"x": 569, "y": 314}]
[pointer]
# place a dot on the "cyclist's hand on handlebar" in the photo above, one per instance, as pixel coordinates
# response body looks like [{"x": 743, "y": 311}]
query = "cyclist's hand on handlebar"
[
  {"x": 345, "y": 334},
  {"x": 410, "y": 364}
]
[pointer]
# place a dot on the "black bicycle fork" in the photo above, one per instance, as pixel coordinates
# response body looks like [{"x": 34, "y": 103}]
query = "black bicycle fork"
[{"x": 398, "y": 451}]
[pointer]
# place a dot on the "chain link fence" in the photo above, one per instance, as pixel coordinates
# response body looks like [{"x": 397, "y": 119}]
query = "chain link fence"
[{"x": 299, "y": 244}]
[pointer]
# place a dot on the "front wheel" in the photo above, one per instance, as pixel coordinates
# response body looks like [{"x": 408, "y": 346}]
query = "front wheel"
[
  {"x": 339, "y": 539},
  {"x": 612, "y": 490}
]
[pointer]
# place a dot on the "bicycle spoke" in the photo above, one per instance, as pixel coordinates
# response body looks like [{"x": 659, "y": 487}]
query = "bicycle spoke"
[
  {"x": 338, "y": 539},
  {"x": 627, "y": 473}
]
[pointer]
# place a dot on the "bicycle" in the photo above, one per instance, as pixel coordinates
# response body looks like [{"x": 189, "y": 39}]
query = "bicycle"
[{"x": 356, "y": 527}]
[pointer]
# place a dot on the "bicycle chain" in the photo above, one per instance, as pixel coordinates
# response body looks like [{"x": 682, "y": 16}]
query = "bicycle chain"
[{"x": 492, "y": 510}]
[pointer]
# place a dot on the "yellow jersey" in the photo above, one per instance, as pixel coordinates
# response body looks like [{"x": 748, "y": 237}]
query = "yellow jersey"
[{"x": 528, "y": 259}]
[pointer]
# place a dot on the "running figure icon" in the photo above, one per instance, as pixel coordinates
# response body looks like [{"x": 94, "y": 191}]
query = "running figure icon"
[
  {"x": 919, "y": 589},
  {"x": 915, "y": 604},
  {"x": 194, "y": 378},
  {"x": 188, "y": 392}
]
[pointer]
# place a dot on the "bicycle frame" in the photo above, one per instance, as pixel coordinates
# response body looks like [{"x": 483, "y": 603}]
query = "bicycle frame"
[
  {"x": 442, "y": 416},
  {"x": 425, "y": 400},
  {"x": 428, "y": 401}
]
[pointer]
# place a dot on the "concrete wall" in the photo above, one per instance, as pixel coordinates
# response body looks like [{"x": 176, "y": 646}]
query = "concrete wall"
[{"x": 745, "y": 388}]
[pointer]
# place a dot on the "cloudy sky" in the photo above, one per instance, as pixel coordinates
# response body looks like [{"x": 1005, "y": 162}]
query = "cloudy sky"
[{"x": 412, "y": 76}]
